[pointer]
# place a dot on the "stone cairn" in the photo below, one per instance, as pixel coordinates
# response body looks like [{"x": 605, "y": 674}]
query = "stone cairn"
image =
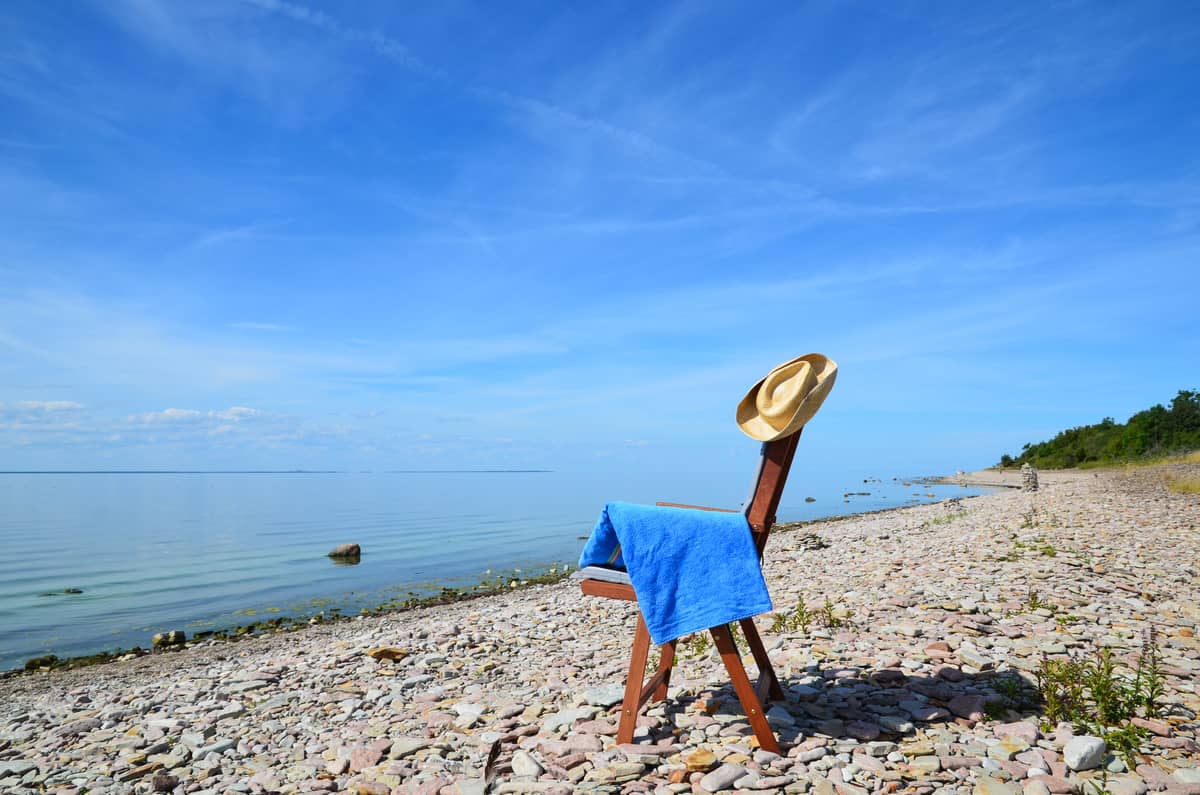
[{"x": 1029, "y": 480}]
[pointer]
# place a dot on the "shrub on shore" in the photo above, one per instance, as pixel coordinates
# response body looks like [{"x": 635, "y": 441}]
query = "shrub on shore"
[{"x": 1154, "y": 433}]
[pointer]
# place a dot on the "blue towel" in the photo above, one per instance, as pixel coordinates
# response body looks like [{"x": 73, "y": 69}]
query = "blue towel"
[{"x": 690, "y": 569}]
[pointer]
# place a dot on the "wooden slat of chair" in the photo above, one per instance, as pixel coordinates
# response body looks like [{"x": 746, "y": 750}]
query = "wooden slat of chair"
[{"x": 760, "y": 515}]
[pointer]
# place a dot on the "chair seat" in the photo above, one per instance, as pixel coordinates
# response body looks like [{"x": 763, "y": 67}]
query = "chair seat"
[{"x": 602, "y": 573}]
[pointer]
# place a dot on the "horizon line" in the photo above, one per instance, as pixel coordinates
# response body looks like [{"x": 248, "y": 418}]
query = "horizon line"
[{"x": 264, "y": 471}]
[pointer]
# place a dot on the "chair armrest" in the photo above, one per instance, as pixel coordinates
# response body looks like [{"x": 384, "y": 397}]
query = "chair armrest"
[{"x": 693, "y": 507}]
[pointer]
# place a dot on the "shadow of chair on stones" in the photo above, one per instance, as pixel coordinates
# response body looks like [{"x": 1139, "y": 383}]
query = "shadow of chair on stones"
[{"x": 915, "y": 729}]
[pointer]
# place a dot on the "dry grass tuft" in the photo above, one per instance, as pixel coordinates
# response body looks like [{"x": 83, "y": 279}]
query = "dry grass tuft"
[{"x": 1184, "y": 485}]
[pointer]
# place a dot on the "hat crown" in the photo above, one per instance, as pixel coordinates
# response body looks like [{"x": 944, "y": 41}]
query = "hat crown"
[
  {"x": 789, "y": 395},
  {"x": 782, "y": 390}
]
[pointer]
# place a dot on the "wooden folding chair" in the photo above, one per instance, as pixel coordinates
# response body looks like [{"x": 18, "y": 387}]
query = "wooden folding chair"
[{"x": 760, "y": 513}]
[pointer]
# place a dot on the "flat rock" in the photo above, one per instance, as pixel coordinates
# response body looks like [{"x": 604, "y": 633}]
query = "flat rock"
[
  {"x": 722, "y": 778},
  {"x": 407, "y": 746},
  {"x": 862, "y": 730},
  {"x": 1187, "y": 775},
  {"x": 219, "y": 746},
  {"x": 779, "y": 717},
  {"x": 1084, "y": 752},
  {"x": 986, "y": 785},
  {"x": 967, "y": 706},
  {"x": 1025, "y": 730},
  {"x": 523, "y": 764},
  {"x": 361, "y": 758},
  {"x": 16, "y": 767},
  {"x": 1034, "y": 786},
  {"x": 79, "y": 727},
  {"x": 605, "y": 695}
]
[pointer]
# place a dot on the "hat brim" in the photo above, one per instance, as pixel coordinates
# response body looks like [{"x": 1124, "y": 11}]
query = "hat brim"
[{"x": 751, "y": 421}]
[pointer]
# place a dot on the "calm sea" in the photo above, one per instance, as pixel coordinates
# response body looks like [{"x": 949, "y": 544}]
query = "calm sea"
[{"x": 201, "y": 551}]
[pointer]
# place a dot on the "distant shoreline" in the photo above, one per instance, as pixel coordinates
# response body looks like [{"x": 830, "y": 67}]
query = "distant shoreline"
[{"x": 272, "y": 471}]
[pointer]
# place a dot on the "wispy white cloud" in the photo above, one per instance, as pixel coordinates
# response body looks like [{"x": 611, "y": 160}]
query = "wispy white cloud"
[
  {"x": 223, "y": 419},
  {"x": 237, "y": 414},
  {"x": 47, "y": 406},
  {"x": 41, "y": 416},
  {"x": 168, "y": 416},
  {"x": 298, "y": 82},
  {"x": 532, "y": 112},
  {"x": 235, "y": 234},
  {"x": 249, "y": 325},
  {"x": 380, "y": 43}
]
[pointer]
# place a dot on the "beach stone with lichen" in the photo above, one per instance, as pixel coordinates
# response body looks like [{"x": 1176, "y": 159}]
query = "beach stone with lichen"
[{"x": 162, "y": 640}]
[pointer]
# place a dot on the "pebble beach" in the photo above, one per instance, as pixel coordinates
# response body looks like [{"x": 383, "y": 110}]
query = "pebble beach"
[{"x": 921, "y": 683}]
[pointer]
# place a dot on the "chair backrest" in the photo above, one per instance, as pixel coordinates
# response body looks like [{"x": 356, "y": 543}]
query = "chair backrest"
[{"x": 774, "y": 464}]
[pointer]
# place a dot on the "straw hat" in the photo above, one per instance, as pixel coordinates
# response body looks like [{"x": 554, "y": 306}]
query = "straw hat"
[{"x": 780, "y": 404}]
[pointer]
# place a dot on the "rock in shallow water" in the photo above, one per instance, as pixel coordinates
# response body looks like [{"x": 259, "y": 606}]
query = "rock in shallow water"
[
  {"x": 163, "y": 640},
  {"x": 345, "y": 552}
]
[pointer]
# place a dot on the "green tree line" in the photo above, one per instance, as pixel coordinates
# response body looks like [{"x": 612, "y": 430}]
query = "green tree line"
[{"x": 1155, "y": 432}]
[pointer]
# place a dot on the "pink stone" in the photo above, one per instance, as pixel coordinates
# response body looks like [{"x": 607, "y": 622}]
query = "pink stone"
[
  {"x": 862, "y": 730},
  {"x": 571, "y": 760},
  {"x": 967, "y": 706},
  {"x": 364, "y": 757},
  {"x": 585, "y": 743},
  {"x": 1014, "y": 769},
  {"x": 1032, "y": 758},
  {"x": 1023, "y": 729},
  {"x": 602, "y": 727},
  {"x": 1057, "y": 785},
  {"x": 1161, "y": 728},
  {"x": 955, "y": 762},
  {"x": 364, "y": 786},
  {"x": 950, "y": 673},
  {"x": 1155, "y": 775},
  {"x": 869, "y": 763}
]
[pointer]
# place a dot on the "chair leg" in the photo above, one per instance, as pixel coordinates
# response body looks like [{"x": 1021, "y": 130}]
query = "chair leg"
[
  {"x": 765, "y": 669},
  {"x": 743, "y": 688},
  {"x": 666, "y": 662},
  {"x": 633, "y": 682}
]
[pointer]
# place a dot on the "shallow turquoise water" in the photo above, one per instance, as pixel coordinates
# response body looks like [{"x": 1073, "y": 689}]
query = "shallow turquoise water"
[{"x": 153, "y": 552}]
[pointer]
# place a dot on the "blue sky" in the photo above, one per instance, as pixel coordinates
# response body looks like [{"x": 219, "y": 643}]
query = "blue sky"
[{"x": 378, "y": 235}]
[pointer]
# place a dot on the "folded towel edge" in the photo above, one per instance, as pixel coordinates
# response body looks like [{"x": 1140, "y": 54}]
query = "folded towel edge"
[{"x": 704, "y": 620}]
